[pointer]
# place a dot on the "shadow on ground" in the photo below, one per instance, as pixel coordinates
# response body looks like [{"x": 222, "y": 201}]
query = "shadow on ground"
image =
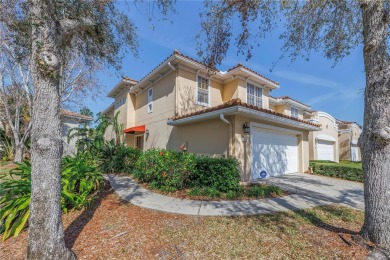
[{"x": 76, "y": 227}]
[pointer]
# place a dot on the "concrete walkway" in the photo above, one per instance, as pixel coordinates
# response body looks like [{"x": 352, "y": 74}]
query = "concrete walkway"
[{"x": 130, "y": 191}]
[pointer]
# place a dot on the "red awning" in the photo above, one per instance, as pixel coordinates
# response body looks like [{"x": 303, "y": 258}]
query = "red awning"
[{"x": 132, "y": 130}]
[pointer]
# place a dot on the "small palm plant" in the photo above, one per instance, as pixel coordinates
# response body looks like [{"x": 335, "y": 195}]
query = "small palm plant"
[{"x": 80, "y": 179}]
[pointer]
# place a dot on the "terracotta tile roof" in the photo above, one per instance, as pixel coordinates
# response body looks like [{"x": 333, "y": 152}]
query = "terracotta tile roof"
[
  {"x": 176, "y": 52},
  {"x": 238, "y": 102},
  {"x": 242, "y": 66},
  {"x": 287, "y": 97},
  {"x": 129, "y": 79},
  {"x": 344, "y": 122},
  {"x": 76, "y": 115}
]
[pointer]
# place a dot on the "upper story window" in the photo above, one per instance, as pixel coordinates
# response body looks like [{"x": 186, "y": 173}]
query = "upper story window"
[
  {"x": 120, "y": 102},
  {"x": 254, "y": 95},
  {"x": 150, "y": 100},
  {"x": 203, "y": 91},
  {"x": 294, "y": 112}
]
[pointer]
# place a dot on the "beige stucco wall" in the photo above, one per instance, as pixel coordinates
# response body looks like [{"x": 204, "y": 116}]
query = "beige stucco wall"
[
  {"x": 230, "y": 90},
  {"x": 344, "y": 146},
  {"x": 186, "y": 92},
  {"x": 209, "y": 137},
  {"x": 329, "y": 128},
  {"x": 345, "y": 140}
]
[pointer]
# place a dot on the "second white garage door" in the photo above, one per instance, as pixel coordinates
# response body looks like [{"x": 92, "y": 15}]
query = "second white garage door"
[
  {"x": 325, "y": 150},
  {"x": 274, "y": 153}
]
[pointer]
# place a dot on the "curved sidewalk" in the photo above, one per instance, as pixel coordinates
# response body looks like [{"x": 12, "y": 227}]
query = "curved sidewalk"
[{"x": 130, "y": 191}]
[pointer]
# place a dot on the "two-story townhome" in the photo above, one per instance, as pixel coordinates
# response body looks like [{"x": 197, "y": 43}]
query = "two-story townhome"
[
  {"x": 182, "y": 104},
  {"x": 349, "y": 133}
]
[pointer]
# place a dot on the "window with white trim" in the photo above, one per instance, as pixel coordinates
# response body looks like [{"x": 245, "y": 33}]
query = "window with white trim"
[
  {"x": 254, "y": 95},
  {"x": 150, "y": 100},
  {"x": 294, "y": 112},
  {"x": 203, "y": 91}
]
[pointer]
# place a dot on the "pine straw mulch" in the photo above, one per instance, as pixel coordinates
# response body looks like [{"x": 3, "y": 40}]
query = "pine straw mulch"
[{"x": 114, "y": 229}]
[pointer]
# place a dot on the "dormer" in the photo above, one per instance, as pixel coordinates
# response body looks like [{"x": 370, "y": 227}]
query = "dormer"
[{"x": 290, "y": 107}]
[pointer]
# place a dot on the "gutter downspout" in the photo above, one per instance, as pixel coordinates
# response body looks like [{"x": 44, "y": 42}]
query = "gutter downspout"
[
  {"x": 175, "y": 105},
  {"x": 222, "y": 117}
]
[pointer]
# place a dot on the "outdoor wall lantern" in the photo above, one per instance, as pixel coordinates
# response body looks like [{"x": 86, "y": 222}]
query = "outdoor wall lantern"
[
  {"x": 147, "y": 133},
  {"x": 246, "y": 128}
]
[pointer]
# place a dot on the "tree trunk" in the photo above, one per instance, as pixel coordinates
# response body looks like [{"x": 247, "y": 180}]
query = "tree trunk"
[
  {"x": 375, "y": 139},
  {"x": 19, "y": 150},
  {"x": 46, "y": 236}
]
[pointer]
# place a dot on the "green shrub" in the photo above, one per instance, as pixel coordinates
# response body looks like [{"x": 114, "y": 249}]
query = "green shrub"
[
  {"x": 234, "y": 194},
  {"x": 195, "y": 192},
  {"x": 256, "y": 192},
  {"x": 118, "y": 158},
  {"x": 219, "y": 173},
  {"x": 347, "y": 171},
  {"x": 15, "y": 200},
  {"x": 80, "y": 178},
  {"x": 313, "y": 163},
  {"x": 211, "y": 192},
  {"x": 171, "y": 170},
  {"x": 273, "y": 190}
]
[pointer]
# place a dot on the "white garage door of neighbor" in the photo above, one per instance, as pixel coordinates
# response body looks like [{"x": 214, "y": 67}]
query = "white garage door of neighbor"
[
  {"x": 325, "y": 150},
  {"x": 275, "y": 153},
  {"x": 354, "y": 153}
]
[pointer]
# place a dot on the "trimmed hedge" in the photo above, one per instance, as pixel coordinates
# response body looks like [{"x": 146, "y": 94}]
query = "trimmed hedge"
[
  {"x": 312, "y": 163},
  {"x": 347, "y": 171},
  {"x": 171, "y": 170},
  {"x": 218, "y": 173}
]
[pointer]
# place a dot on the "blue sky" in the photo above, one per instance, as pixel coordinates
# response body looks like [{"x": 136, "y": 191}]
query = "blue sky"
[{"x": 337, "y": 91}]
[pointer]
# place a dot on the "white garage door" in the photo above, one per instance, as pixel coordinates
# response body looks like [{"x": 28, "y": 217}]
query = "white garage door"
[
  {"x": 354, "y": 153},
  {"x": 325, "y": 150},
  {"x": 274, "y": 153}
]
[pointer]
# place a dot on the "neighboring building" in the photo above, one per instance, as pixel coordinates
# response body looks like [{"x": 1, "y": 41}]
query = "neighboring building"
[
  {"x": 71, "y": 120},
  {"x": 183, "y": 104},
  {"x": 349, "y": 133},
  {"x": 324, "y": 144}
]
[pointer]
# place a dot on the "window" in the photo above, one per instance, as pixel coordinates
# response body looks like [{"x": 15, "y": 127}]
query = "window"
[
  {"x": 139, "y": 142},
  {"x": 294, "y": 112},
  {"x": 120, "y": 102},
  {"x": 150, "y": 100},
  {"x": 254, "y": 95},
  {"x": 203, "y": 91}
]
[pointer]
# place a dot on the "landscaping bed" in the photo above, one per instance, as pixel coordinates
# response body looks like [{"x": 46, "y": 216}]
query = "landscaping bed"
[
  {"x": 188, "y": 176},
  {"x": 114, "y": 229},
  {"x": 249, "y": 192}
]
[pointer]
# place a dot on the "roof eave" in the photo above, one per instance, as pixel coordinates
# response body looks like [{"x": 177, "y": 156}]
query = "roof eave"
[
  {"x": 271, "y": 85},
  {"x": 122, "y": 83},
  {"x": 164, "y": 64},
  {"x": 241, "y": 109}
]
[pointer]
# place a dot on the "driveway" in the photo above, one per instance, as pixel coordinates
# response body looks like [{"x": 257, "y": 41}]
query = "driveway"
[{"x": 333, "y": 190}]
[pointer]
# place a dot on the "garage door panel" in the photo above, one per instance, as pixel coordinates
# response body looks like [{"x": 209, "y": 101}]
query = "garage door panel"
[
  {"x": 354, "y": 153},
  {"x": 325, "y": 150},
  {"x": 275, "y": 153}
]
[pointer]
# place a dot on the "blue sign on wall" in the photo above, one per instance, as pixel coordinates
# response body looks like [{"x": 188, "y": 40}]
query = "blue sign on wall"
[{"x": 263, "y": 174}]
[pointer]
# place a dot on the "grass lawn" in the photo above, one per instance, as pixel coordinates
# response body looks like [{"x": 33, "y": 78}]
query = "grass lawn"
[{"x": 114, "y": 229}]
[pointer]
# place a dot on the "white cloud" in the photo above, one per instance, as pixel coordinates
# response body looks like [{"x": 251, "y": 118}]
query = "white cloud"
[{"x": 308, "y": 79}]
